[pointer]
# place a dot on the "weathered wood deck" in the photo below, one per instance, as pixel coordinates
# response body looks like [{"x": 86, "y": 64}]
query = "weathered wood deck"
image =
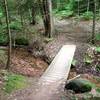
[{"x": 56, "y": 74}]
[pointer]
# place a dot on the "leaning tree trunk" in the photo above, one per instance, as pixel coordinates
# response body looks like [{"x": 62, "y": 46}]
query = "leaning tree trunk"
[
  {"x": 9, "y": 34},
  {"x": 94, "y": 22}
]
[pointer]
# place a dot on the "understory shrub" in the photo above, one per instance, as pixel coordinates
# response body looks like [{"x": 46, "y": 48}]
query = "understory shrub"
[
  {"x": 13, "y": 82},
  {"x": 98, "y": 68},
  {"x": 64, "y": 13},
  {"x": 15, "y": 25},
  {"x": 3, "y": 39},
  {"x": 21, "y": 41},
  {"x": 97, "y": 37},
  {"x": 87, "y": 15},
  {"x": 98, "y": 90},
  {"x": 3, "y": 57}
]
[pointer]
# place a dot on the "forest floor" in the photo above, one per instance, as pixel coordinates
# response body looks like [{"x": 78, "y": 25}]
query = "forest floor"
[{"x": 67, "y": 32}]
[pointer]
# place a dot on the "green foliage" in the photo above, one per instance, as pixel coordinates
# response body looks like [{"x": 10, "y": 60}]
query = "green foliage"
[
  {"x": 80, "y": 85},
  {"x": 67, "y": 13},
  {"x": 64, "y": 13},
  {"x": 70, "y": 5},
  {"x": 3, "y": 56},
  {"x": 3, "y": 35},
  {"x": 14, "y": 82},
  {"x": 1, "y": 13},
  {"x": 98, "y": 68},
  {"x": 48, "y": 39},
  {"x": 74, "y": 62},
  {"x": 97, "y": 49},
  {"x": 97, "y": 37},
  {"x": 66, "y": 10},
  {"x": 74, "y": 98},
  {"x": 3, "y": 39},
  {"x": 98, "y": 90},
  {"x": 21, "y": 41},
  {"x": 88, "y": 59},
  {"x": 87, "y": 15},
  {"x": 15, "y": 25}
]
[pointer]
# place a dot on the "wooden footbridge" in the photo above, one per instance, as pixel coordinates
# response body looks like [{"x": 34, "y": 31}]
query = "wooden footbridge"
[{"x": 56, "y": 74}]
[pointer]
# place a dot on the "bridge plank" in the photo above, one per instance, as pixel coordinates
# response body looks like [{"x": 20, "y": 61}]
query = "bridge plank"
[{"x": 55, "y": 74}]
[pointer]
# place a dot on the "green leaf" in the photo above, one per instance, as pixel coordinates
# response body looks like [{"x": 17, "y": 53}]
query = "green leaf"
[
  {"x": 87, "y": 15},
  {"x": 98, "y": 49},
  {"x": 97, "y": 37},
  {"x": 1, "y": 14},
  {"x": 88, "y": 59},
  {"x": 14, "y": 82},
  {"x": 98, "y": 68},
  {"x": 74, "y": 62}
]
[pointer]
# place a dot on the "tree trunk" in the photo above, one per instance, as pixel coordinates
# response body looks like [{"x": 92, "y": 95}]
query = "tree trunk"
[
  {"x": 33, "y": 16},
  {"x": 94, "y": 22},
  {"x": 46, "y": 11},
  {"x": 21, "y": 19},
  {"x": 88, "y": 5},
  {"x": 78, "y": 8},
  {"x": 51, "y": 19},
  {"x": 9, "y": 35},
  {"x": 30, "y": 15}
]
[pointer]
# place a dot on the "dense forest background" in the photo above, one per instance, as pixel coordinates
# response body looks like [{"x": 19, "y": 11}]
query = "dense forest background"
[{"x": 26, "y": 12}]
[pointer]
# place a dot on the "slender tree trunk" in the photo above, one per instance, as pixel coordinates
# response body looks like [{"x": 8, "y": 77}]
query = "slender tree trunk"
[
  {"x": 33, "y": 16},
  {"x": 58, "y": 4},
  {"x": 51, "y": 23},
  {"x": 21, "y": 19},
  {"x": 94, "y": 22},
  {"x": 78, "y": 8},
  {"x": 88, "y": 5},
  {"x": 43, "y": 13},
  {"x": 9, "y": 35},
  {"x": 30, "y": 15},
  {"x": 46, "y": 19}
]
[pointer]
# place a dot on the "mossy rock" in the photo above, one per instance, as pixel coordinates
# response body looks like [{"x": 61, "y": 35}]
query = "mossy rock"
[{"x": 79, "y": 86}]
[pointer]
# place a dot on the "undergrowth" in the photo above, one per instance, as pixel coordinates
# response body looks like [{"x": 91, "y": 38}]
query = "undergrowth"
[{"x": 14, "y": 82}]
